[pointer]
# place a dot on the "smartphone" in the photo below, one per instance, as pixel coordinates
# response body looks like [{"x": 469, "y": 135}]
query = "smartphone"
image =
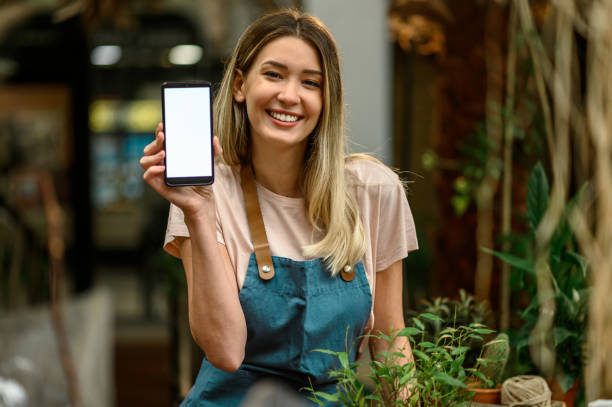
[{"x": 187, "y": 118}]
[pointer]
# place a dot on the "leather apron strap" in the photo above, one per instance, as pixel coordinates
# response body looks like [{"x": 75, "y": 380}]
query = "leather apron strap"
[
  {"x": 258, "y": 230},
  {"x": 256, "y": 224}
]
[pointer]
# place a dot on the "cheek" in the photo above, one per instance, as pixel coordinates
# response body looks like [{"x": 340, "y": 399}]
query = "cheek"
[
  {"x": 316, "y": 106},
  {"x": 256, "y": 102}
]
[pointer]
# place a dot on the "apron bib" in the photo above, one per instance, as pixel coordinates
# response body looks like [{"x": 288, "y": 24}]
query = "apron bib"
[{"x": 299, "y": 309}]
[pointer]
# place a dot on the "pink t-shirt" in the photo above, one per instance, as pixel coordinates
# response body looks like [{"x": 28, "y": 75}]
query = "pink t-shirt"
[{"x": 389, "y": 228}]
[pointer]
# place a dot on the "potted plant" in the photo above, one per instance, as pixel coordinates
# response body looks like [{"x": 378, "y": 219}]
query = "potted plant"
[
  {"x": 487, "y": 384},
  {"x": 570, "y": 282},
  {"x": 436, "y": 377}
]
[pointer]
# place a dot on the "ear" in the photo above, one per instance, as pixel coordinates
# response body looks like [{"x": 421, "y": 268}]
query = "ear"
[{"x": 238, "y": 86}]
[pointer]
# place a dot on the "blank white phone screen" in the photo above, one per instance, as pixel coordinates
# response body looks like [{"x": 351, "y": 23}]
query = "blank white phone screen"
[{"x": 188, "y": 132}]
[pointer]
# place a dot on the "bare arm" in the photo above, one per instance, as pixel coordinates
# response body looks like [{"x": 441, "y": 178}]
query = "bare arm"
[
  {"x": 215, "y": 315},
  {"x": 389, "y": 314},
  {"x": 216, "y": 319}
]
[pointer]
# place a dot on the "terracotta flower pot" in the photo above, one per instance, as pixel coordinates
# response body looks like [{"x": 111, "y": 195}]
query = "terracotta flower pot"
[
  {"x": 558, "y": 394},
  {"x": 485, "y": 396}
]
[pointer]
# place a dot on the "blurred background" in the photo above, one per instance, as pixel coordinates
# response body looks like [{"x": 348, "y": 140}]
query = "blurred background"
[{"x": 426, "y": 92}]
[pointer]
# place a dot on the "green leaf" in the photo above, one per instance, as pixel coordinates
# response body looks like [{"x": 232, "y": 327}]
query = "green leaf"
[
  {"x": 444, "y": 378},
  {"x": 577, "y": 260},
  {"x": 516, "y": 262},
  {"x": 426, "y": 344},
  {"x": 316, "y": 401},
  {"x": 329, "y": 352},
  {"x": 343, "y": 357},
  {"x": 405, "y": 379},
  {"x": 431, "y": 317},
  {"x": 420, "y": 354},
  {"x": 566, "y": 380},
  {"x": 419, "y": 324},
  {"x": 398, "y": 355},
  {"x": 459, "y": 350},
  {"x": 537, "y": 195},
  {"x": 328, "y": 397},
  {"x": 562, "y": 334},
  {"x": 409, "y": 331},
  {"x": 373, "y": 397}
]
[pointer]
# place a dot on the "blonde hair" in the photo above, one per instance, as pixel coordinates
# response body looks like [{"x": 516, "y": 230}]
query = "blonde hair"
[{"x": 332, "y": 209}]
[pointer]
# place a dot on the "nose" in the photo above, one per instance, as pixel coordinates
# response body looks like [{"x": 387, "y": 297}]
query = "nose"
[{"x": 289, "y": 93}]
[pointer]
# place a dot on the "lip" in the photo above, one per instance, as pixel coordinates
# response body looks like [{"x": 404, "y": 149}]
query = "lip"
[{"x": 282, "y": 123}]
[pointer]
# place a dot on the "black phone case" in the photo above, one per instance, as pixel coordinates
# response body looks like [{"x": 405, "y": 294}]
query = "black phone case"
[{"x": 188, "y": 181}]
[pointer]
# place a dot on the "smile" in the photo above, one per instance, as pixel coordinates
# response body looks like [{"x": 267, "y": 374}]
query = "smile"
[{"x": 284, "y": 117}]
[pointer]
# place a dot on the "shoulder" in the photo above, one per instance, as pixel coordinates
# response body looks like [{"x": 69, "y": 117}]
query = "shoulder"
[
  {"x": 227, "y": 178},
  {"x": 225, "y": 173},
  {"x": 364, "y": 170},
  {"x": 226, "y": 188}
]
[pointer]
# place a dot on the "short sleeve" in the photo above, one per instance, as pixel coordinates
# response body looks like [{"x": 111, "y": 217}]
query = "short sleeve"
[
  {"x": 176, "y": 228},
  {"x": 385, "y": 212},
  {"x": 396, "y": 232}
]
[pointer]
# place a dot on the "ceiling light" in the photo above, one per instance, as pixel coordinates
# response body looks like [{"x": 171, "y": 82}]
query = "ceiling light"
[
  {"x": 105, "y": 55},
  {"x": 185, "y": 54}
]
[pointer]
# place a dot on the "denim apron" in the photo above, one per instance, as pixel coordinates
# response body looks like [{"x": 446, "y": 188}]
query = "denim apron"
[{"x": 300, "y": 309}]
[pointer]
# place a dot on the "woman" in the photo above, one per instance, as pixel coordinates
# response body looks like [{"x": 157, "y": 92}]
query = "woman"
[{"x": 327, "y": 265}]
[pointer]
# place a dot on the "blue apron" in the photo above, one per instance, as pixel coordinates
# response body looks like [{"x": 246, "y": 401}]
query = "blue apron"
[{"x": 301, "y": 309}]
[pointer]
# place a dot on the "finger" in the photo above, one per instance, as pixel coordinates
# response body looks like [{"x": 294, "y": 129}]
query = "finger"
[
  {"x": 156, "y": 145},
  {"x": 158, "y": 129},
  {"x": 154, "y": 176},
  {"x": 217, "y": 147},
  {"x": 154, "y": 170},
  {"x": 150, "y": 160}
]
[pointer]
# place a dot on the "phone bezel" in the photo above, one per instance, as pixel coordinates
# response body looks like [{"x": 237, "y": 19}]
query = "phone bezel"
[{"x": 188, "y": 181}]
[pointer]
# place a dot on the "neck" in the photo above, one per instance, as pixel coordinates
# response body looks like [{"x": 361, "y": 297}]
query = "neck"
[{"x": 279, "y": 170}]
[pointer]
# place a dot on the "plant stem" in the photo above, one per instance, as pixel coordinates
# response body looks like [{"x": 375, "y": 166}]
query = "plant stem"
[
  {"x": 488, "y": 186},
  {"x": 507, "y": 181}
]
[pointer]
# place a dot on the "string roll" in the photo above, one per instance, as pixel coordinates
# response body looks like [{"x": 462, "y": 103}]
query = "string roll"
[{"x": 525, "y": 391}]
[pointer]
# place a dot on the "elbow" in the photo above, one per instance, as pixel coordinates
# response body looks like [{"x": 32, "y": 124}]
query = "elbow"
[
  {"x": 227, "y": 362},
  {"x": 222, "y": 355}
]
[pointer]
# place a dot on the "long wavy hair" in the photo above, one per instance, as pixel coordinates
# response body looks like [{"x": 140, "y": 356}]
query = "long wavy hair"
[{"x": 332, "y": 209}]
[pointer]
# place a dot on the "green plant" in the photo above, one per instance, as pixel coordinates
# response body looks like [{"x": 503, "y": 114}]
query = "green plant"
[
  {"x": 570, "y": 282},
  {"x": 463, "y": 310},
  {"x": 494, "y": 360},
  {"x": 436, "y": 376},
  {"x": 460, "y": 311}
]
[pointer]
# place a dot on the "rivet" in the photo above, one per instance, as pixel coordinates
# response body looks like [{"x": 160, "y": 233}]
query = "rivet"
[{"x": 266, "y": 269}]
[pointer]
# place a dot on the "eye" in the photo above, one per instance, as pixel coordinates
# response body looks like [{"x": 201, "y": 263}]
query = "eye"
[
  {"x": 272, "y": 74},
  {"x": 312, "y": 83}
]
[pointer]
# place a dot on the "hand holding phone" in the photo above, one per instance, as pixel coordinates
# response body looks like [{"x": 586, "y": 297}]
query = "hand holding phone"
[{"x": 187, "y": 119}]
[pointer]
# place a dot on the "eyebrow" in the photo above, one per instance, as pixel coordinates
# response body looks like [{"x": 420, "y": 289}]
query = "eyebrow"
[{"x": 283, "y": 66}]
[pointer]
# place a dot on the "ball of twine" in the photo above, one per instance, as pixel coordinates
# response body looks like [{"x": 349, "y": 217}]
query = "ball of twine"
[{"x": 527, "y": 391}]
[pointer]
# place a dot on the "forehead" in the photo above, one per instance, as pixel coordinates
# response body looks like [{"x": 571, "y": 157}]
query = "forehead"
[{"x": 290, "y": 51}]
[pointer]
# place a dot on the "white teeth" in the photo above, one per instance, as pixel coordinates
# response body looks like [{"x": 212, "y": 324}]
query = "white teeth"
[{"x": 284, "y": 117}]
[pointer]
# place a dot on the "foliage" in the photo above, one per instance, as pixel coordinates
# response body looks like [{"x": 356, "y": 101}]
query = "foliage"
[
  {"x": 569, "y": 272},
  {"x": 469, "y": 167},
  {"x": 460, "y": 311},
  {"x": 436, "y": 376},
  {"x": 455, "y": 312}
]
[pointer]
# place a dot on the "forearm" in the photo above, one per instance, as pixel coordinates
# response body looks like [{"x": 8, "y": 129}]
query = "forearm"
[
  {"x": 400, "y": 344},
  {"x": 215, "y": 314},
  {"x": 389, "y": 319},
  {"x": 388, "y": 353}
]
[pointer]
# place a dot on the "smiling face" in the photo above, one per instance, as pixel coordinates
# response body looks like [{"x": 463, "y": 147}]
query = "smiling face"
[{"x": 283, "y": 93}]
